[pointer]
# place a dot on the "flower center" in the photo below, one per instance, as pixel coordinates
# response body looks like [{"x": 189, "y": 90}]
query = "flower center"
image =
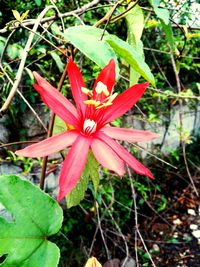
[
  {"x": 99, "y": 103},
  {"x": 89, "y": 126}
]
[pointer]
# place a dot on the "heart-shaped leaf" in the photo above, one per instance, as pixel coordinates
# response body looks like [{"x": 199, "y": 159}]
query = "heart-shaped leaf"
[{"x": 35, "y": 216}]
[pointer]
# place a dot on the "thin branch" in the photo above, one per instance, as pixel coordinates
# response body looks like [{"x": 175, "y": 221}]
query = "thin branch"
[
  {"x": 30, "y": 22},
  {"x": 23, "y": 60},
  {"x": 181, "y": 123},
  {"x": 50, "y": 132},
  {"x": 24, "y": 99},
  {"x": 137, "y": 231}
]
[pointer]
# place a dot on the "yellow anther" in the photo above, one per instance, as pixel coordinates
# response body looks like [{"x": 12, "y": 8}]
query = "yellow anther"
[
  {"x": 86, "y": 91},
  {"x": 109, "y": 101},
  {"x": 102, "y": 88},
  {"x": 92, "y": 102}
]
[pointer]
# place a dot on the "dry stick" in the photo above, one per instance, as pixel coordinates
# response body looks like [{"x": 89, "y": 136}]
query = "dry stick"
[
  {"x": 151, "y": 154},
  {"x": 120, "y": 233},
  {"x": 137, "y": 232},
  {"x": 23, "y": 60},
  {"x": 101, "y": 231},
  {"x": 50, "y": 131},
  {"x": 67, "y": 14},
  {"x": 17, "y": 143},
  {"x": 24, "y": 99},
  {"x": 181, "y": 122}
]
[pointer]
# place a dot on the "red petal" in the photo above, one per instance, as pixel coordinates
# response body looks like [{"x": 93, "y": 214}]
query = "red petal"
[
  {"x": 73, "y": 166},
  {"x": 107, "y": 157},
  {"x": 106, "y": 76},
  {"x": 130, "y": 135},
  {"x": 125, "y": 155},
  {"x": 124, "y": 102},
  {"x": 56, "y": 101},
  {"x": 49, "y": 146},
  {"x": 76, "y": 82}
]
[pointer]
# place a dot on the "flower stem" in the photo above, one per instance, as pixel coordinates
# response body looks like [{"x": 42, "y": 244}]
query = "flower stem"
[{"x": 50, "y": 131}]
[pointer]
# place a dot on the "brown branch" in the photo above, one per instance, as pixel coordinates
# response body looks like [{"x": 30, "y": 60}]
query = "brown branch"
[
  {"x": 31, "y": 22},
  {"x": 50, "y": 131}
]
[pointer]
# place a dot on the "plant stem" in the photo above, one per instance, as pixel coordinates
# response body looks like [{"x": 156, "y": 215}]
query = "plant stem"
[{"x": 50, "y": 131}]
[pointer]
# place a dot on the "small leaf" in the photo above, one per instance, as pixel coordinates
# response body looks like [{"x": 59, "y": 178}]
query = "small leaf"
[
  {"x": 93, "y": 262},
  {"x": 58, "y": 61},
  {"x": 93, "y": 168},
  {"x": 35, "y": 217},
  {"x": 163, "y": 15},
  {"x": 24, "y": 15},
  {"x": 38, "y": 2},
  {"x": 90, "y": 172},
  {"x": 78, "y": 193},
  {"x": 169, "y": 34},
  {"x": 16, "y": 15},
  {"x": 59, "y": 126}
]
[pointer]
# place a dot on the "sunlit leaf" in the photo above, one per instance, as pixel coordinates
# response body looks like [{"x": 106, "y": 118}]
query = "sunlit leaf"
[
  {"x": 127, "y": 52},
  {"x": 93, "y": 262},
  {"x": 88, "y": 40},
  {"x": 16, "y": 15},
  {"x": 135, "y": 25}
]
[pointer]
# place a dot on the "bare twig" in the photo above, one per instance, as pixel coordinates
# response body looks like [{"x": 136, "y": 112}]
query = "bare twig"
[
  {"x": 31, "y": 22},
  {"x": 23, "y": 60},
  {"x": 50, "y": 132},
  {"x": 24, "y": 99},
  {"x": 181, "y": 122},
  {"x": 101, "y": 231},
  {"x": 137, "y": 231}
]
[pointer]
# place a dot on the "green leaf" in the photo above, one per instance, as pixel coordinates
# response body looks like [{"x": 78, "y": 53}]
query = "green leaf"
[
  {"x": 133, "y": 57},
  {"x": 90, "y": 172},
  {"x": 58, "y": 61},
  {"x": 135, "y": 25},
  {"x": 88, "y": 40},
  {"x": 169, "y": 34},
  {"x": 93, "y": 167},
  {"x": 59, "y": 126},
  {"x": 23, "y": 240},
  {"x": 38, "y": 2},
  {"x": 163, "y": 15}
]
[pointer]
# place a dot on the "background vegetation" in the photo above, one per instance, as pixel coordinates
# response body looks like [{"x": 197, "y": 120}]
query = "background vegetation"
[{"x": 145, "y": 220}]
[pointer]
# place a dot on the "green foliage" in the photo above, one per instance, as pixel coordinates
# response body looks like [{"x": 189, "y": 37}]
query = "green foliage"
[
  {"x": 89, "y": 41},
  {"x": 90, "y": 172},
  {"x": 135, "y": 25},
  {"x": 35, "y": 216}
]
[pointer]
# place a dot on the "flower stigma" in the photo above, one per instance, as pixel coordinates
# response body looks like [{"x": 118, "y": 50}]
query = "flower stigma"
[
  {"x": 102, "y": 88},
  {"x": 89, "y": 126}
]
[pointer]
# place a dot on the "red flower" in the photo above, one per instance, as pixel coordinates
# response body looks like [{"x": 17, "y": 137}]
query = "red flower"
[{"x": 94, "y": 110}]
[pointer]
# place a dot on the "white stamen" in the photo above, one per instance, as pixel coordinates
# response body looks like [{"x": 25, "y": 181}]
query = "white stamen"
[
  {"x": 101, "y": 87},
  {"x": 89, "y": 126}
]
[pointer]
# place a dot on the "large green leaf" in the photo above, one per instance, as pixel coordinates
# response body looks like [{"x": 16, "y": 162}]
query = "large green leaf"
[
  {"x": 23, "y": 240},
  {"x": 88, "y": 40},
  {"x": 135, "y": 59},
  {"x": 90, "y": 172}
]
